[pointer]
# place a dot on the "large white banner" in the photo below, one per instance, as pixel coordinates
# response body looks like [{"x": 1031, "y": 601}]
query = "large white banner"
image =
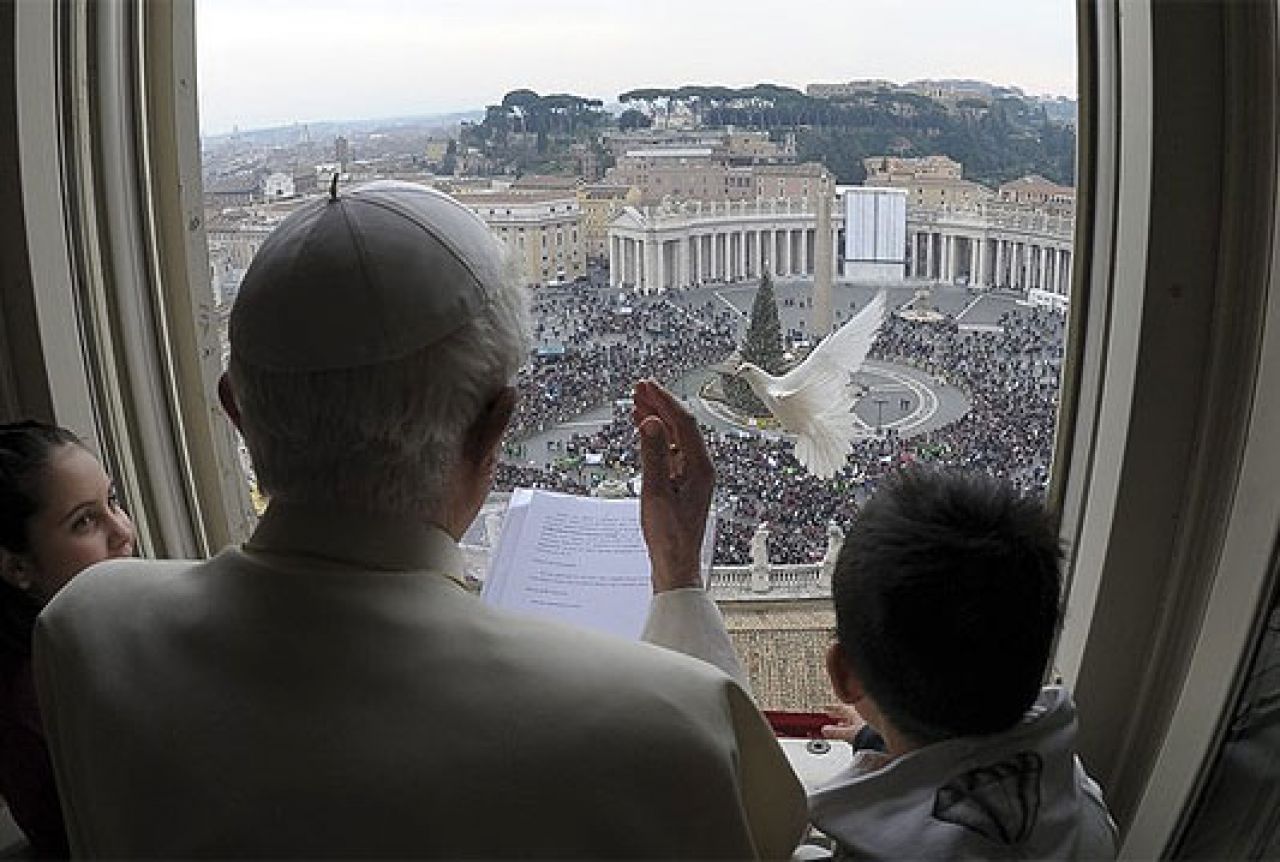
[{"x": 875, "y": 225}]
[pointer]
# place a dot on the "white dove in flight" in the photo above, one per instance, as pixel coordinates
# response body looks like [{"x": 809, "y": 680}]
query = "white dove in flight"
[{"x": 814, "y": 401}]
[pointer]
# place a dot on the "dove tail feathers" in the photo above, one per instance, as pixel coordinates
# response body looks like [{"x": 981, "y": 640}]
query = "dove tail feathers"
[{"x": 823, "y": 448}]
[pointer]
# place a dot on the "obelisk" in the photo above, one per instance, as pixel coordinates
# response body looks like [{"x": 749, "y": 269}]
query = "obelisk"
[{"x": 824, "y": 263}]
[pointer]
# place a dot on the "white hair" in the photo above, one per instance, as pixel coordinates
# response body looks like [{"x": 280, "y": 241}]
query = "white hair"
[{"x": 387, "y": 436}]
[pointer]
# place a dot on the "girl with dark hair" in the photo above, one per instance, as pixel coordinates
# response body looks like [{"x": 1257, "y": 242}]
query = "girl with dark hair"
[{"x": 58, "y": 515}]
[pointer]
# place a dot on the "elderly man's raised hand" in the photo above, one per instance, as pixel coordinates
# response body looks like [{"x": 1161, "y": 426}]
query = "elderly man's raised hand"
[{"x": 677, "y": 480}]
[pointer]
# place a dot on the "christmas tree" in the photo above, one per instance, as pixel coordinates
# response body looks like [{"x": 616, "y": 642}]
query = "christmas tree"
[{"x": 762, "y": 346}]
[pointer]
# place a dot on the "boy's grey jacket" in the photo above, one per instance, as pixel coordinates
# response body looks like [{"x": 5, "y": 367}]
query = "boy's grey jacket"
[{"x": 1022, "y": 794}]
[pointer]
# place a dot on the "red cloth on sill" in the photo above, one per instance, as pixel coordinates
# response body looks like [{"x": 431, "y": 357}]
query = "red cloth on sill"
[{"x": 797, "y": 725}]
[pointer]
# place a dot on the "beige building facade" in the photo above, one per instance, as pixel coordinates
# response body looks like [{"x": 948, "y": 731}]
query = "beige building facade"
[
  {"x": 790, "y": 181},
  {"x": 543, "y": 229},
  {"x": 600, "y": 203},
  {"x": 848, "y": 88},
  {"x": 680, "y": 173},
  {"x": 704, "y": 174},
  {"x": 930, "y": 181},
  {"x": 1036, "y": 191}
]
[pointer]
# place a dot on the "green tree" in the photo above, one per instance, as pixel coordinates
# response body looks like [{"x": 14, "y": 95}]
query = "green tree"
[
  {"x": 761, "y": 346},
  {"x": 522, "y": 103},
  {"x": 634, "y": 119}
]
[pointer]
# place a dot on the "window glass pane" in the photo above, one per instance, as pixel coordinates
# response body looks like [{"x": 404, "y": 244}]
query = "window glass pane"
[{"x": 891, "y": 147}]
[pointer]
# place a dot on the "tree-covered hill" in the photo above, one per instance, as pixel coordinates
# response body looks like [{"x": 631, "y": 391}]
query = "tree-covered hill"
[{"x": 996, "y": 142}]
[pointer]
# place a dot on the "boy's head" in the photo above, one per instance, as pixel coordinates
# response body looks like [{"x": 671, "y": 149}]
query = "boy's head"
[{"x": 947, "y": 597}]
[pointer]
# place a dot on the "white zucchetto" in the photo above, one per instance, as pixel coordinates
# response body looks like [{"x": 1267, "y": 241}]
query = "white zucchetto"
[{"x": 364, "y": 277}]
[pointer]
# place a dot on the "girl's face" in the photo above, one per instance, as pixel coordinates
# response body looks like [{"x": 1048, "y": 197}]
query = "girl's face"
[{"x": 79, "y": 523}]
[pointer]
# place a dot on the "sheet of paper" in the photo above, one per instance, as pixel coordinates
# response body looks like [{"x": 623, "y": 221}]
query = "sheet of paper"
[
  {"x": 576, "y": 559},
  {"x": 580, "y": 560}
]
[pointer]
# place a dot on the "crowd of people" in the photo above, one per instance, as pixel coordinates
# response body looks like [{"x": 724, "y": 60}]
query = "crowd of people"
[
  {"x": 1009, "y": 372},
  {"x": 592, "y": 345}
]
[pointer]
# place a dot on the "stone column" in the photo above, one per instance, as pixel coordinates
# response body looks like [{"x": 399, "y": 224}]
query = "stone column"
[
  {"x": 613, "y": 262},
  {"x": 653, "y": 257},
  {"x": 660, "y": 271}
]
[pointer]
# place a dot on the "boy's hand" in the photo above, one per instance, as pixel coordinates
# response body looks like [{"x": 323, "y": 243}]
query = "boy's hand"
[
  {"x": 677, "y": 480},
  {"x": 848, "y": 722}
]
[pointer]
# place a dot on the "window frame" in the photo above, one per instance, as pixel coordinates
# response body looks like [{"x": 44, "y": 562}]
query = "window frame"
[
  {"x": 109, "y": 166},
  {"x": 115, "y": 244},
  {"x": 1177, "y": 288}
]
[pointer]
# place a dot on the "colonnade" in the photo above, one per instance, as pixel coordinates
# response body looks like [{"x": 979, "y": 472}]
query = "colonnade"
[
  {"x": 987, "y": 246},
  {"x": 662, "y": 248},
  {"x": 1022, "y": 263}
]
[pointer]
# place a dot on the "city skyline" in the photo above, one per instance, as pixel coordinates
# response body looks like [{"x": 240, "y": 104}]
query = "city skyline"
[{"x": 329, "y": 60}]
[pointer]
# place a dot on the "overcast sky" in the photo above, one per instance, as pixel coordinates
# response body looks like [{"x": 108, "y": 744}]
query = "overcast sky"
[{"x": 273, "y": 62}]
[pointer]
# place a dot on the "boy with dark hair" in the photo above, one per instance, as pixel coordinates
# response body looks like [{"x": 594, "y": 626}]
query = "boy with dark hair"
[{"x": 948, "y": 599}]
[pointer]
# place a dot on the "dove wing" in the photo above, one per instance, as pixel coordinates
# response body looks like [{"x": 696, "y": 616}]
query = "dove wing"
[
  {"x": 814, "y": 400},
  {"x": 838, "y": 355}
]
